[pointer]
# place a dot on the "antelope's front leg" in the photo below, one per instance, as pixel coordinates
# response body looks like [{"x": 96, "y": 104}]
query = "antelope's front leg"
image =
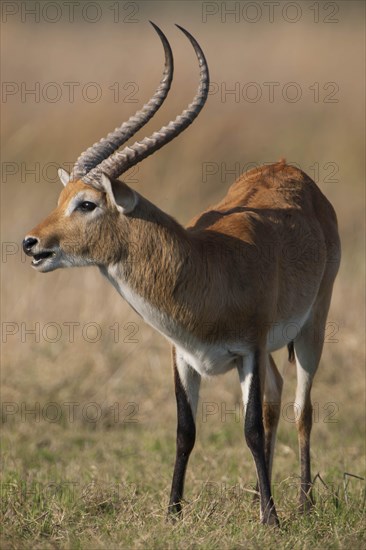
[
  {"x": 187, "y": 384},
  {"x": 251, "y": 374}
]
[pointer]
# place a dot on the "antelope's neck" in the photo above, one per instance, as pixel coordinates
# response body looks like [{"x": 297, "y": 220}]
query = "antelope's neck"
[{"x": 153, "y": 277}]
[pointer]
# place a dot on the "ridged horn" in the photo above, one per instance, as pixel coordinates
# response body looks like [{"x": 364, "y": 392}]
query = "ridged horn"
[
  {"x": 121, "y": 161},
  {"x": 101, "y": 150}
]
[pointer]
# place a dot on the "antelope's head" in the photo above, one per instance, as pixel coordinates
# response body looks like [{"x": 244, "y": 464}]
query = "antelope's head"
[{"x": 90, "y": 225}]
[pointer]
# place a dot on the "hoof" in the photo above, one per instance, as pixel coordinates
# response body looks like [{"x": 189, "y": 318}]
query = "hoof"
[
  {"x": 174, "y": 513},
  {"x": 269, "y": 517},
  {"x": 271, "y": 520},
  {"x": 306, "y": 503}
]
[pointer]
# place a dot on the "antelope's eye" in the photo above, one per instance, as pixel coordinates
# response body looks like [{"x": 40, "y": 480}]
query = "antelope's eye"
[{"x": 86, "y": 206}]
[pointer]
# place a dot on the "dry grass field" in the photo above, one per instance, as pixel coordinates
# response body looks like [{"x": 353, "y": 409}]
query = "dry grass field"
[{"x": 88, "y": 407}]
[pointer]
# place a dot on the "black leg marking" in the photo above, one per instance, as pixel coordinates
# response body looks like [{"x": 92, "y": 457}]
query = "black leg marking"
[
  {"x": 254, "y": 436},
  {"x": 304, "y": 429},
  {"x": 271, "y": 414},
  {"x": 186, "y": 435},
  {"x": 291, "y": 352}
]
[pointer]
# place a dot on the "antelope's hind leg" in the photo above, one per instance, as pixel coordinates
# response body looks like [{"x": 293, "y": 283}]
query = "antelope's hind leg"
[
  {"x": 306, "y": 366},
  {"x": 308, "y": 349},
  {"x": 271, "y": 413},
  {"x": 271, "y": 410},
  {"x": 251, "y": 370},
  {"x": 187, "y": 384}
]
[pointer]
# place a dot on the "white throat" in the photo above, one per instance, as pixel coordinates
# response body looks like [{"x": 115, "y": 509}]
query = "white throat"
[
  {"x": 206, "y": 358},
  {"x": 151, "y": 315}
]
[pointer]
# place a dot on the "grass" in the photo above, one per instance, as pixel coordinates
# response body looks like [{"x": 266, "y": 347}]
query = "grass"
[
  {"x": 109, "y": 490},
  {"x": 91, "y": 466},
  {"x": 80, "y": 483}
]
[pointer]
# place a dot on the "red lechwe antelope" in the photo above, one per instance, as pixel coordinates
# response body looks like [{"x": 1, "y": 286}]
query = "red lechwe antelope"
[{"x": 223, "y": 291}]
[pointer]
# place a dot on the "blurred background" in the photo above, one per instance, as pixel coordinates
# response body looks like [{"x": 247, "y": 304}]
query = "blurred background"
[{"x": 287, "y": 81}]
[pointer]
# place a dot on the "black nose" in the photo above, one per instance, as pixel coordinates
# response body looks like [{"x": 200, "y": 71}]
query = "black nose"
[{"x": 28, "y": 244}]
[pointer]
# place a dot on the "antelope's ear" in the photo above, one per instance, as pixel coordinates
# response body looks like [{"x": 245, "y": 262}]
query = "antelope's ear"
[
  {"x": 64, "y": 176},
  {"x": 122, "y": 196}
]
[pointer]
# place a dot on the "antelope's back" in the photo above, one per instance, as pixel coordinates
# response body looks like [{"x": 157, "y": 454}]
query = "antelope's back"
[
  {"x": 282, "y": 198},
  {"x": 278, "y": 227}
]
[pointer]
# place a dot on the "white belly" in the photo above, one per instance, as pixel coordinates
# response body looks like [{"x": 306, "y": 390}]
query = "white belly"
[{"x": 208, "y": 359}]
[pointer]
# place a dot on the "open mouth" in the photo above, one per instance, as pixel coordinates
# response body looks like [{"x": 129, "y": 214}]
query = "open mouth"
[{"x": 38, "y": 259}]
